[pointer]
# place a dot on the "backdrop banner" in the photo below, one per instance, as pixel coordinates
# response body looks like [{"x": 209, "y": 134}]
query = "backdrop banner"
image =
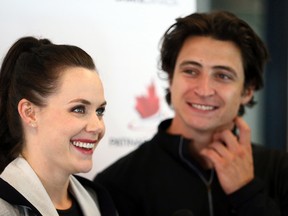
[{"x": 123, "y": 38}]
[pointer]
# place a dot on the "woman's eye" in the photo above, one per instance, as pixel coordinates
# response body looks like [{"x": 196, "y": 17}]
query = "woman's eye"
[
  {"x": 79, "y": 109},
  {"x": 100, "y": 111}
]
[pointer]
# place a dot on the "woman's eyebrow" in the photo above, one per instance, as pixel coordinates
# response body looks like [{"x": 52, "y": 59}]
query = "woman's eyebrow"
[
  {"x": 86, "y": 102},
  {"x": 77, "y": 100}
]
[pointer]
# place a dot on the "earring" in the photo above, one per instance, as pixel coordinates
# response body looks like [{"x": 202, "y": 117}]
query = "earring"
[{"x": 33, "y": 124}]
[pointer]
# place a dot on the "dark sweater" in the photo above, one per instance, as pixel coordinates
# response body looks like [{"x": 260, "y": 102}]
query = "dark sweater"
[{"x": 154, "y": 180}]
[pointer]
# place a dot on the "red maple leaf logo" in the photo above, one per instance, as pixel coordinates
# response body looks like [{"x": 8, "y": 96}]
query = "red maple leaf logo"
[{"x": 148, "y": 105}]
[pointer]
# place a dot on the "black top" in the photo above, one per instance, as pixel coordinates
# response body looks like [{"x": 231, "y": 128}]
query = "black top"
[
  {"x": 154, "y": 180},
  {"x": 74, "y": 210}
]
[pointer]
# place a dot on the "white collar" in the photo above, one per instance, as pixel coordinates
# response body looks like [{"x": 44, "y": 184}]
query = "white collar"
[{"x": 22, "y": 177}]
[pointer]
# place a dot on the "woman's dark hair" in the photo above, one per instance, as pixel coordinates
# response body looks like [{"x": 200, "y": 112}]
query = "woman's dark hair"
[
  {"x": 223, "y": 26},
  {"x": 30, "y": 70}
]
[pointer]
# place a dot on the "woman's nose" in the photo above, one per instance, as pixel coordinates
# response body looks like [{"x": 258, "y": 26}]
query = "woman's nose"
[{"x": 95, "y": 124}]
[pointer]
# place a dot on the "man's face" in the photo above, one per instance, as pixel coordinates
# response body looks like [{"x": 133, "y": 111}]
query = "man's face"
[{"x": 207, "y": 85}]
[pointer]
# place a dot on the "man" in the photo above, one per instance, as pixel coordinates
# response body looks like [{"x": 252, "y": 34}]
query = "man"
[{"x": 202, "y": 161}]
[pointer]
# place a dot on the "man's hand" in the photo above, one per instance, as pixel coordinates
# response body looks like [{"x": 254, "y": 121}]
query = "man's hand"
[{"x": 231, "y": 157}]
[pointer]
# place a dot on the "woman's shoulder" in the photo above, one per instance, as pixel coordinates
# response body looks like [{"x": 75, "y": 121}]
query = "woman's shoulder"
[
  {"x": 100, "y": 195},
  {"x": 6, "y": 209}
]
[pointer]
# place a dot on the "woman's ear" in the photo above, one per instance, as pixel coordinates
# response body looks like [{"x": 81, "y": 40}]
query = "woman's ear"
[
  {"x": 247, "y": 95},
  {"x": 26, "y": 110}
]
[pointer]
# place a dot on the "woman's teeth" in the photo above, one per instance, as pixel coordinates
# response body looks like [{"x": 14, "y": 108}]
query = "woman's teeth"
[{"x": 83, "y": 144}]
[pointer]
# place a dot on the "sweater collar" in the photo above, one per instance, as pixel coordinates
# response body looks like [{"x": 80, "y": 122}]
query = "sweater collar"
[{"x": 171, "y": 144}]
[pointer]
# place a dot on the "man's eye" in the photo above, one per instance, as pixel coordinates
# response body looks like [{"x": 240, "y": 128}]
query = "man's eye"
[
  {"x": 100, "y": 111},
  {"x": 79, "y": 109},
  {"x": 191, "y": 72},
  {"x": 224, "y": 76}
]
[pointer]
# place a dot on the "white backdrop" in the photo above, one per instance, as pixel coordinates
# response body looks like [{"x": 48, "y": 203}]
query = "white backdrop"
[{"x": 123, "y": 38}]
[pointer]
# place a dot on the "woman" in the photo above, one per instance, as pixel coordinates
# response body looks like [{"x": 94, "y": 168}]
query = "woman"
[{"x": 51, "y": 120}]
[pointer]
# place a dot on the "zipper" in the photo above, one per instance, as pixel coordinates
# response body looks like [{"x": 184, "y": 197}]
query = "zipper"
[
  {"x": 208, "y": 183},
  {"x": 210, "y": 200}
]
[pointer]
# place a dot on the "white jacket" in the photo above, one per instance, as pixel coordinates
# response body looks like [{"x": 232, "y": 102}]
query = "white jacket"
[{"x": 21, "y": 177}]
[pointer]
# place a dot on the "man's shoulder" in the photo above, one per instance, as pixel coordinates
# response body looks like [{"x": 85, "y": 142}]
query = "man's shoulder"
[
  {"x": 266, "y": 152},
  {"x": 269, "y": 159},
  {"x": 133, "y": 162},
  {"x": 135, "y": 156}
]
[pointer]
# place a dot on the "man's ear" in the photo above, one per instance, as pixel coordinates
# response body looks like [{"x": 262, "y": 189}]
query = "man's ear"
[
  {"x": 26, "y": 110},
  {"x": 247, "y": 95}
]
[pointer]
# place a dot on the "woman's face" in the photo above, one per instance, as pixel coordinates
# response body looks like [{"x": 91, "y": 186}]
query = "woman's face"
[{"x": 70, "y": 126}]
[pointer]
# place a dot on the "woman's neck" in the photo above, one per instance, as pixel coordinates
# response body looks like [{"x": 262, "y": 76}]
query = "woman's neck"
[{"x": 55, "y": 182}]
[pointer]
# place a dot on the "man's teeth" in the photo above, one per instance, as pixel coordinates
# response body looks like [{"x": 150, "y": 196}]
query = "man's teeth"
[
  {"x": 202, "y": 107},
  {"x": 83, "y": 145}
]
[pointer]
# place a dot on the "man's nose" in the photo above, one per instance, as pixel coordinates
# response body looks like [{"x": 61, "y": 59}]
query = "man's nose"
[{"x": 204, "y": 86}]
